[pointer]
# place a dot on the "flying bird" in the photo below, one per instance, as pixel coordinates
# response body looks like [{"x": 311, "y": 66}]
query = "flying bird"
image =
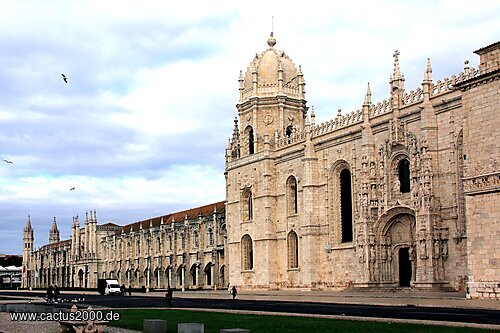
[
  {"x": 7, "y": 161},
  {"x": 72, "y": 189},
  {"x": 65, "y": 78}
]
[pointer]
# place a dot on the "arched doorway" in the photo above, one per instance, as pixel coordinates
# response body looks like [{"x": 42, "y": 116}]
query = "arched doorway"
[
  {"x": 194, "y": 275},
  {"x": 222, "y": 280},
  {"x": 395, "y": 260},
  {"x": 208, "y": 274},
  {"x": 80, "y": 278},
  {"x": 180, "y": 276},
  {"x": 168, "y": 276},
  {"x": 157, "y": 277},
  {"x": 404, "y": 267}
]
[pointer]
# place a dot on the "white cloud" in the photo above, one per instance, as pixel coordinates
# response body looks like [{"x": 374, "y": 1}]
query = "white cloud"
[{"x": 153, "y": 88}]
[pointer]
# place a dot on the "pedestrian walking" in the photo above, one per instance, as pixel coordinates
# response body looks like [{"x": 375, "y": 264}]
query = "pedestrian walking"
[
  {"x": 122, "y": 289},
  {"x": 50, "y": 294},
  {"x": 234, "y": 292},
  {"x": 169, "y": 295},
  {"x": 130, "y": 290}
]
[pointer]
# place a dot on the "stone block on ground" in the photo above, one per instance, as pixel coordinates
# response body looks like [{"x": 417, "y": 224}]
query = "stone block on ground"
[
  {"x": 154, "y": 326},
  {"x": 190, "y": 328}
]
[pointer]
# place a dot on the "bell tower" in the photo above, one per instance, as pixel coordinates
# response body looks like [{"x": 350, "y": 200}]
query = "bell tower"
[
  {"x": 271, "y": 109},
  {"x": 272, "y": 100},
  {"x": 28, "y": 242},
  {"x": 54, "y": 233}
]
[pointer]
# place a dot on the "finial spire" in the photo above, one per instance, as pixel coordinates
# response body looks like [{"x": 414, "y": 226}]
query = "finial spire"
[
  {"x": 236, "y": 131},
  {"x": 368, "y": 95},
  {"x": 271, "y": 41},
  {"x": 54, "y": 224},
  {"x": 28, "y": 223},
  {"x": 428, "y": 71},
  {"x": 397, "y": 73}
]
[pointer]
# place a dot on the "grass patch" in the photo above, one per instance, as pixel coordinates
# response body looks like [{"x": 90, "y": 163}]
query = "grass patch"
[{"x": 214, "y": 321}]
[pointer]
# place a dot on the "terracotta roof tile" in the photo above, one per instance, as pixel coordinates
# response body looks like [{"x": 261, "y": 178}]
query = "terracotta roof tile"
[{"x": 219, "y": 207}]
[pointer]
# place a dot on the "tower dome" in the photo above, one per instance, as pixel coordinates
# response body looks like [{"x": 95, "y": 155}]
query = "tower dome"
[{"x": 271, "y": 73}]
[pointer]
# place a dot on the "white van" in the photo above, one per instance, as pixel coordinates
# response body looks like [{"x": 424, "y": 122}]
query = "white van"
[{"x": 108, "y": 287}]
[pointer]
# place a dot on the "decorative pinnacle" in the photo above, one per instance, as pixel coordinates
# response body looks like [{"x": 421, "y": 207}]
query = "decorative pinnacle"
[
  {"x": 28, "y": 223},
  {"x": 54, "y": 225},
  {"x": 428, "y": 71},
  {"x": 396, "y": 65},
  {"x": 368, "y": 95},
  {"x": 271, "y": 41},
  {"x": 235, "y": 128},
  {"x": 313, "y": 115}
]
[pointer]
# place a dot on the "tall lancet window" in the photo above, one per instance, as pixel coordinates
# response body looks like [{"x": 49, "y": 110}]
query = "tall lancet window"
[
  {"x": 246, "y": 205},
  {"x": 246, "y": 253},
  {"x": 346, "y": 205},
  {"x": 293, "y": 250},
  {"x": 291, "y": 186},
  {"x": 250, "y": 137},
  {"x": 404, "y": 175}
]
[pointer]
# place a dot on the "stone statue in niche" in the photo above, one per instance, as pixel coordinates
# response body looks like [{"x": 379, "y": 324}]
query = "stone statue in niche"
[
  {"x": 383, "y": 253},
  {"x": 397, "y": 186},
  {"x": 437, "y": 251},
  {"x": 411, "y": 252},
  {"x": 361, "y": 253},
  {"x": 423, "y": 249},
  {"x": 444, "y": 249},
  {"x": 372, "y": 169}
]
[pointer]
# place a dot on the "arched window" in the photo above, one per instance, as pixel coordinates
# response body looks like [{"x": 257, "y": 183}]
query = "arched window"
[
  {"x": 183, "y": 241},
  {"x": 404, "y": 175},
  {"x": 346, "y": 205},
  {"x": 246, "y": 205},
  {"x": 196, "y": 239},
  {"x": 138, "y": 248},
  {"x": 289, "y": 131},
  {"x": 293, "y": 250},
  {"x": 170, "y": 241},
  {"x": 210, "y": 237},
  {"x": 194, "y": 275},
  {"x": 208, "y": 274},
  {"x": 158, "y": 245},
  {"x": 246, "y": 253},
  {"x": 249, "y": 133},
  {"x": 291, "y": 186}
]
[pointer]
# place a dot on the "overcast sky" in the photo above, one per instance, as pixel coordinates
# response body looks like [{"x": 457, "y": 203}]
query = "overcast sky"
[{"x": 141, "y": 127}]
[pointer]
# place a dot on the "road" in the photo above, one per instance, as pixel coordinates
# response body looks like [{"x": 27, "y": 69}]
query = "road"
[{"x": 468, "y": 315}]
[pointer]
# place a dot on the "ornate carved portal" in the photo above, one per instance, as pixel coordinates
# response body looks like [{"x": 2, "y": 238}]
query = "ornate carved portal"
[{"x": 395, "y": 260}]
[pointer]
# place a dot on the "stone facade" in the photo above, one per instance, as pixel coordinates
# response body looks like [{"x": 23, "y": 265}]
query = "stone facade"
[
  {"x": 401, "y": 193},
  {"x": 184, "y": 250}
]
